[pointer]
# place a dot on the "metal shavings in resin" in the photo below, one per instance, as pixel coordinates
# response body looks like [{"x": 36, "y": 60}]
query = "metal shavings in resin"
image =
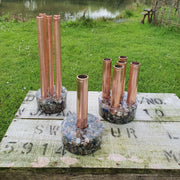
[
  {"x": 81, "y": 141},
  {"x": 51, "y": 104},
  {"x": 121, "y": 115}
]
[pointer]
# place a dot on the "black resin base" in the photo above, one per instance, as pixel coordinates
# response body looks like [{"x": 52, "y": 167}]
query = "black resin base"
[
  {"x": 51, "y": 104},
  {"x": 81, "y": 141},
  {"x": 121, "y": 115}
]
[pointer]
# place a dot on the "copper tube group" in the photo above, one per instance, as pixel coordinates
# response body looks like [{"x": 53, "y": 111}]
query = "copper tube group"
[
  {"x": 45, "y": 44},
  {"x": 82, "y": 101},
  {"x": 117, "y": 85},
  {"x": 133, "y": 82},
  {"x": 106, "y": 80}
]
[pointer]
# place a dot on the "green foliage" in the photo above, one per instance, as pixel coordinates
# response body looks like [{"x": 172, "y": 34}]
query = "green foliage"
[
  {"x": 128, "y": 13},
  {"x": 83, "y": 48}
]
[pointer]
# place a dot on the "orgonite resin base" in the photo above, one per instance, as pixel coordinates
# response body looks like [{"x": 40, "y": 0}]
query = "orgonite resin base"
[
  {"x": 81, "y": 141},
  {"x": 51, "y": 104},
  {"x": 121, "y": 115}
]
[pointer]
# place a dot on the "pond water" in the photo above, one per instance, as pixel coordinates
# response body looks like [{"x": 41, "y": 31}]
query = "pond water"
[{"x": 68, "y": 9}]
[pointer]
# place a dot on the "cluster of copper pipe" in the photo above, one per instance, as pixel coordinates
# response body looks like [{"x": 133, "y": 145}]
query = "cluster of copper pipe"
[
  {"x": 45, "y": 44},
  {"x": 82, "y": 101},
  {"x": 118, "y": 84}
]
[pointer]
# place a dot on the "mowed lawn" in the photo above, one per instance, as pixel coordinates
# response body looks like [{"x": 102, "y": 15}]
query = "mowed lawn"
[{"x": 83, "y": 48}]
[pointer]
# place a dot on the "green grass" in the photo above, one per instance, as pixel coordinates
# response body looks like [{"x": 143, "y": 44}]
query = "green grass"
[{"x": 83, "y": 48}]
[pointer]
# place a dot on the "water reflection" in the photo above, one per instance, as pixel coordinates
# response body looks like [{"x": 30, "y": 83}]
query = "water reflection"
[
  {"x": 102, "y": 12},
  {"x": 68, "y": 9},
  {"x": 31, "y": 5}
]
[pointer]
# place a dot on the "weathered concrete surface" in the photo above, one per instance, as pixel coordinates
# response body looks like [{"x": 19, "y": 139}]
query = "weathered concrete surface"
[{"x": 147, "y": 148}]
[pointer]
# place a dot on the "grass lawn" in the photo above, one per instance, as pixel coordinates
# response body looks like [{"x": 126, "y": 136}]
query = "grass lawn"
[{"x": 83, "y": 48}]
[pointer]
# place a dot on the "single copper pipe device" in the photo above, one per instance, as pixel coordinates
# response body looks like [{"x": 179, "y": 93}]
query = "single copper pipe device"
[
  {"x": 42, "y": 63},
  {"x": 122, "y": 63},
  {"x": 133, "y": 82},
  {"x": 57, "y": 46},
  {"x": 117, "y": 85},
  {"x": 106, "y": 80},
  {"x": 81, "y": 133},
  {"x": 123, "y": 58},
  {"x": 50, "y": 54},
  {"x": 82, "y": 101},
  {"x": 45, "y": 49}
]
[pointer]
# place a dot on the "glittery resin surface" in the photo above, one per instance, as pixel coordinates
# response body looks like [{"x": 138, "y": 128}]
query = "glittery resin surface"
[
  {"x": 121, "y": 115},
  {"x": 51, "y": 104},
  {"x": 81, "y": 141}
]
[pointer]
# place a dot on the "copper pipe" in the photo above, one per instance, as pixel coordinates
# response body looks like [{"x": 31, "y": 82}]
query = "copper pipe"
[
  {"x": 57, "y": 46},
  {"x": 116, "y": 85},
  {"x": 45, "y": 48},
  {"x": 50, "y": 54},
  {"x": 40, "y": 32},
  {"x": 133, "y": 82},
  {"x": 106, "y": 79},
  {"x": 123, "y": 58},
  {"x": 82, "y": 101},
  {"x": 122, "y": 63}
]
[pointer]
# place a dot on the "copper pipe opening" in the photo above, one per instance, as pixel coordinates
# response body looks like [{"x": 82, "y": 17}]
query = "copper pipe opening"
[
  {"x": 50, "y": 54},
  {"x": 133, "y": 82},
  {"x": 123, "y": 63},
  {"x": 117, "y": 85},
  {"x": 57, "y": 16},
  {"x": 42, "y": 59},
  {"x": 57, "y": 46},
  {"x": 82, "y": 101},
  {"x": 106, "y": 79},
  {"x": 123, "y": 58}
]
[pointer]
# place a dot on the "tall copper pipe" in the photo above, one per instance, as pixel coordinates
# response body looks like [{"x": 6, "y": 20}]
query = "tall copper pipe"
[
  {"x": 82, "y": 101},
  {"x": 57, "y": 46},
  {"x": 45, "y": 48},
  {"x": 116, "y": 85},
  {"x": 122, "y": 63},
  {"x": 42, "y": 63},
  {"x": 50, "y": 54},
  {"x": 106, "y": 79},
  {"x": 133, "y": 82},
  {"x": 123, "y": 58}
]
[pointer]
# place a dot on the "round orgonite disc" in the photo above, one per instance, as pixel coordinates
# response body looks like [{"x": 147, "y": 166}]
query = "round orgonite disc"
[
  {"x": 121, "y": 115},
  {"x": 81, "y": 141},
  {"x": 51, "y": 104}
]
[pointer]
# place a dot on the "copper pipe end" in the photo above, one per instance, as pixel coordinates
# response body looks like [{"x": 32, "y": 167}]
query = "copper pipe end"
[
  {"x": 50, "y": 54},
  {"x": 42, "y": 62},
  {"x": 57, "y": 46},
  {"x": 133, "y": 82},
  {"x": 106, "y": 79},
  {"x": 42, "y": 14},
  {"x": 116, "y": 85},
  {"x": 122, "y": 63},
  {"x": 56, "y": 16},
  {"x": 123, "y": 58},
  {"x": 82, "y": 101}
]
